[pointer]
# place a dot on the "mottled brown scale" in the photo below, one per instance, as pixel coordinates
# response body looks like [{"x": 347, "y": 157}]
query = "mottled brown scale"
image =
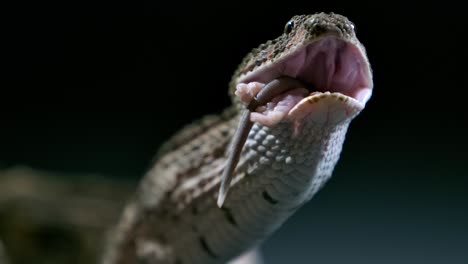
[{"x": 193, "y": 130}]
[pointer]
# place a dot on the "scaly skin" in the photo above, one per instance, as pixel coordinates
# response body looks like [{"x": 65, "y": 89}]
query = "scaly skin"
[{"x": 174, "y": 217}]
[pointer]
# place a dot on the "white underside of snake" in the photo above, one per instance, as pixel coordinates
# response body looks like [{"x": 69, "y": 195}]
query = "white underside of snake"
[{"x": 293, "y": 100}]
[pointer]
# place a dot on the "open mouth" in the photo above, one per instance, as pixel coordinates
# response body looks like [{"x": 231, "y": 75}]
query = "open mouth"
[{"x": 329, "y": 66}]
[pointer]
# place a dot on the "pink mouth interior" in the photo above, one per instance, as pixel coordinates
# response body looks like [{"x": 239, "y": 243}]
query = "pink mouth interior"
[{"x": 328, "y": 65}]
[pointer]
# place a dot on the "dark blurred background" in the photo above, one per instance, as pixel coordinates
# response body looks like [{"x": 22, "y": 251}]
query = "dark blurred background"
[{"x": 96, "y": 88}]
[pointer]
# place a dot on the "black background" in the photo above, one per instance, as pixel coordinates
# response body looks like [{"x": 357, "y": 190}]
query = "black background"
[{"x": 98, "y": 87}]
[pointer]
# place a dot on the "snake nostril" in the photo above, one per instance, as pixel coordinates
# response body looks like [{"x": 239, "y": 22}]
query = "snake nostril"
[
  {"x": 319, "y": 28},
  {"x": 323, "y": 28}
]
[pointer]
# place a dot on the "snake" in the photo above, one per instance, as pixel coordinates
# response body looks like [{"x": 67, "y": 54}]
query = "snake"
[{"x": 222, "y": 185}]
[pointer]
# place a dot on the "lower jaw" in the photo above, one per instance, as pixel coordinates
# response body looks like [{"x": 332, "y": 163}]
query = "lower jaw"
[{"x": 329, "y": 108}]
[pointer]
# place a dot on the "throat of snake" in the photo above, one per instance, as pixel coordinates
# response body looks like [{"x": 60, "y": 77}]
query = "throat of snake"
[
  {"x": 272, "y": 89},
  {"x": 272, "y": 92}
]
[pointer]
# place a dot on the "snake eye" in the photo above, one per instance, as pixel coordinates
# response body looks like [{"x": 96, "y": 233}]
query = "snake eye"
[
  {"x": 289, "y": 27},
  {"x": 351, "y": 26}
]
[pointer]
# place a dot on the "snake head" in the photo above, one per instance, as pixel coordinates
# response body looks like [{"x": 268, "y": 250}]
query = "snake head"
[{"x": 321, "y": 51}]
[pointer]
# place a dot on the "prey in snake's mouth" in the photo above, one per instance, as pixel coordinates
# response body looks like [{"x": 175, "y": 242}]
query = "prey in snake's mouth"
[{"x": 328, "y": 67}]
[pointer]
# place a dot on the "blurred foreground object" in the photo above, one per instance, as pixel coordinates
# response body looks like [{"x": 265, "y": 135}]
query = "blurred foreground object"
[
  {"x": 3, "y": 257},
  {"x": 56, "y": 218}
]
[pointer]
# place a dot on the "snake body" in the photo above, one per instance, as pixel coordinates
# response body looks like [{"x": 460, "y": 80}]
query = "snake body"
[{"x": 292, "y": 144}]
